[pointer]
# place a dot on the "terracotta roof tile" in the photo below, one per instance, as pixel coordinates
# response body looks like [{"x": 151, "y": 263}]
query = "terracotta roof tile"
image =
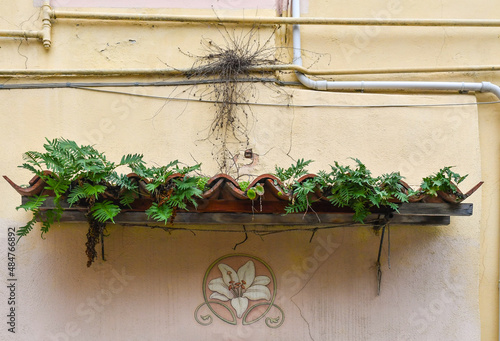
[{"x": 224, "y": 194}]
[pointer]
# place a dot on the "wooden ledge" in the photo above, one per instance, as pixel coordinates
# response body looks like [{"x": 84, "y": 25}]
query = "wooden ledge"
[{"x": 409, "y": 214}]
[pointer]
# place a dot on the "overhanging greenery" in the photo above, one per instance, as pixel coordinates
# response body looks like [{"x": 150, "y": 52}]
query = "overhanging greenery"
[{"x": 84, "y": 177}]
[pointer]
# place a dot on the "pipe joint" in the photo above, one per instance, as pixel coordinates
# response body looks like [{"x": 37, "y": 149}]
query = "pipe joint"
[{"x": 46, "y": 25}]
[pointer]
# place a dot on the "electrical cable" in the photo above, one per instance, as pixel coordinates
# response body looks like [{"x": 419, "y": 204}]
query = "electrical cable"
[
  {"x": 291, "y": 104},
  {"x": 93, "y": 86}
]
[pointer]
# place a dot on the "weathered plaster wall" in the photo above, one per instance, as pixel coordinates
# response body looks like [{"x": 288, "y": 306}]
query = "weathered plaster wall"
[{"x": 151, "y": 283}]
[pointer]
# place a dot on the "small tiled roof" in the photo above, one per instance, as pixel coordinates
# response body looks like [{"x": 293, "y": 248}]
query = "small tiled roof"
[{"x": 223, "y": 193}]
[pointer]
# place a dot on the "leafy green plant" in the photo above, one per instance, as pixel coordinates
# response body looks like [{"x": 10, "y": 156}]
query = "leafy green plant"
[
  {"x": 444, "y": 180},
  {"x": 344, "y": 187},
  {"x": 254, "y": 191},
  {"x": 85, "y": 177},
  {"x": 289, "y": 176},
  {"x": 244, "y": 185},
  {"x": 80, "y": 173},
  {"x": 170, "y": 195},
  {"x": 202, "y": 182},
  {"x": 357, "y": 189}
]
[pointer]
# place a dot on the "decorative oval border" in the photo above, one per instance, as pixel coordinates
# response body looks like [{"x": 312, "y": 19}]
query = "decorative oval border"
[{"x": 234, "y": 321}]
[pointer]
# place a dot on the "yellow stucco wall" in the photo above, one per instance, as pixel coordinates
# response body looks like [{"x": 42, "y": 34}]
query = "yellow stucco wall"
[{"x": 444, "y": 280}]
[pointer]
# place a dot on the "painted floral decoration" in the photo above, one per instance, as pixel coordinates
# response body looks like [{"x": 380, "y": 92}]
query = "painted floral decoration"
[{"x": 239, "y": 286}]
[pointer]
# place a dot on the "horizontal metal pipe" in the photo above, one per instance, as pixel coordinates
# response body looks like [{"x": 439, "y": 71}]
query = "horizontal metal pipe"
[
  {"x": 261, "y": 68},
  {"x": 324, "y": 85},
  {"x": 83, "y": 72},
  {"x": 16, "y": 86},
  {"x": 59, "y": 14},
  {"x": 324, "y": 72},
  {"x": 21, "y": 34}
]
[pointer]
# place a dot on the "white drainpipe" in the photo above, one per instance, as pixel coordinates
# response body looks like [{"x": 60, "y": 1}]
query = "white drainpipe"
[{"x": 378, "y": 85}]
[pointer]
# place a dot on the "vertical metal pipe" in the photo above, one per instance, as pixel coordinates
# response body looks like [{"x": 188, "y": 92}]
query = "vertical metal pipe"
[{"x": 46, "y": 31}]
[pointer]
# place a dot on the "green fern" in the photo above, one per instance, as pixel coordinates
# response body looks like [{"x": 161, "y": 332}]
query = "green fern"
[
  {"x": 291, "y": 174},
  {"x": 93, "y": 190},
  {"x": 132, "y": 160},
  {"x": 105, "y": 211},
  {"x": 122, "y": 181},
  {"x": 159, "y": 213},
  {"x": 33, "y": 203},
  {"x": 50, "y": 217},
  {"x": 24, "y": 230},
  {"x": 186, "y": 191},
  {"x": 127, "y": 197},
  {"x": 76, "y": 194}
]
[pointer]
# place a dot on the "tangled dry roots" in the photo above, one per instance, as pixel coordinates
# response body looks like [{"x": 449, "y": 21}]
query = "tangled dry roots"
[
  {"x": 94, "y": 233},
  {"x": 228, "y": 65}
]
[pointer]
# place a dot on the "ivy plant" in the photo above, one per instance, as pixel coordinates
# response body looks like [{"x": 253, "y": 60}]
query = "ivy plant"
[{"x": 445, "y": 180}]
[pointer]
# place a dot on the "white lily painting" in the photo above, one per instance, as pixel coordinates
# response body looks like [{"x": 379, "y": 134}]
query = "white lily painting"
[{"x": 239, "y": 286}]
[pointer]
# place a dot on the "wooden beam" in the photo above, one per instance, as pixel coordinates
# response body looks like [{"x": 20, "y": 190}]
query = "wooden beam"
[
  {"x": 435, "y": 209},
  {"x": 266, "y": 219},
  {"x": 409, "y": 214}
]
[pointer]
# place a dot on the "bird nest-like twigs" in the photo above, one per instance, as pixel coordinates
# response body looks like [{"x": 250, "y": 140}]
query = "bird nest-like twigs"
[{"x": 231, "y": 66}]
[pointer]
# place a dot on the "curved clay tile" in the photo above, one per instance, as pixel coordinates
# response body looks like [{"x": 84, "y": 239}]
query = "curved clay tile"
[
  {"x": 456, "y": 199},
  {"x": 432, "y": 199},
  {"x": 174, "y": 176},
  {"x": 236, "y": 191},
  {"x": 277, "y": 191},
  {"x": 274, "y": 190},
  {"x": 133, "y": 175},
  {"x": 473, "y": 189},
  {"x": 306, "y": 177},
  {"x": 35, "y": 189},
  {"x": 263, "y": 178},
  {"x": 214, "y": 191},
  {"x": 222, "y": 176},
  {"x": 223, "y": 186}
]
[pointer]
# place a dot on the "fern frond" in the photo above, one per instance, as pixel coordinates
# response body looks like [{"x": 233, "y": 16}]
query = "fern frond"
[
  {"x": 57, "y": 184},
  {"x": 186, "y": 191},
  {"x": 159, "y": 213},
  {"x": 121, "y": 181},
  {"x": 127, "y": 198},
  {"x": 152, "y": 186},
  {"x": 24, "y": 230},
  {"x": 33, "y": 203},
  {"x": 50, "y": 217},
  {"x": 93, "y": 190},
  {"x": 104, "y": 211},
  {"x": 132, "y": 160},
  {"x": 76, "y": 194},
  {"x": 186, "y": 170}
]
